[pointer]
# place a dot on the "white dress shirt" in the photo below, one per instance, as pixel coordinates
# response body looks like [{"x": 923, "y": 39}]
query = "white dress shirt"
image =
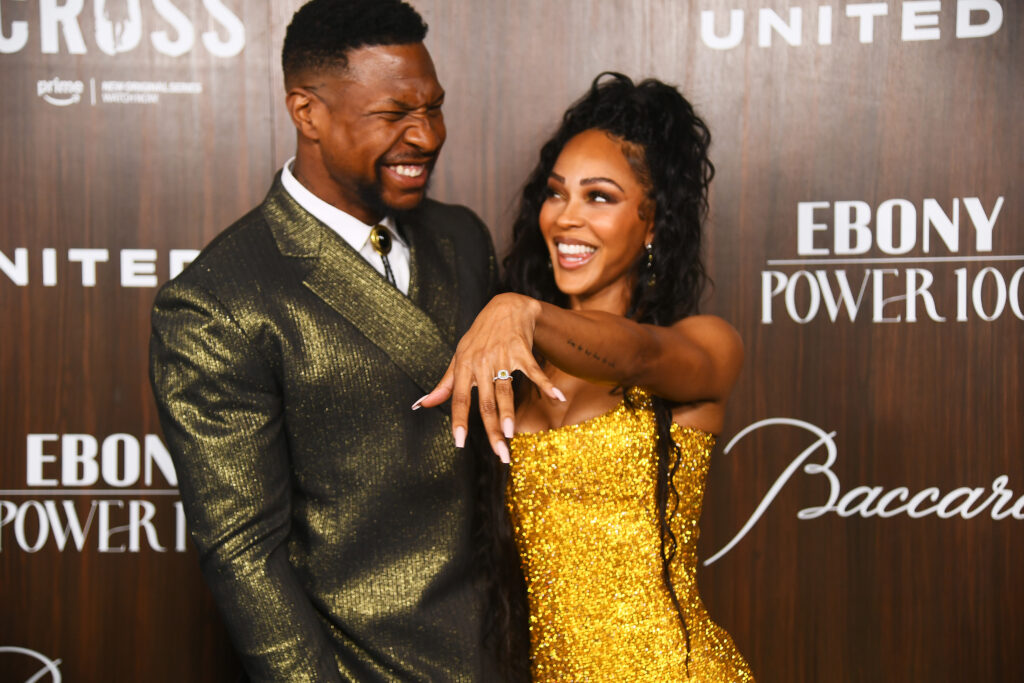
[{"x": 351, "y": 229}]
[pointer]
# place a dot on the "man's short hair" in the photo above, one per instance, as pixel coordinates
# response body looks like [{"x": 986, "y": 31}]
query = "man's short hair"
[{"x": 323, "y": 32}]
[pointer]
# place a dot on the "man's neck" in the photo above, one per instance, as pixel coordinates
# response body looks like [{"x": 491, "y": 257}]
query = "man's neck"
[{"x": 315, "y": 178}]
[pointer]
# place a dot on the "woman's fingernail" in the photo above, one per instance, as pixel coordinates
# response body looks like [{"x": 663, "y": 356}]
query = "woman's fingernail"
[
  {"x": 416, "y": 405},
  {"x": 508, "y": 427},
  {"x": 558, "y": 394},
  {"x": 460, "y": 437},
  {"x": 502, "y": 450}
]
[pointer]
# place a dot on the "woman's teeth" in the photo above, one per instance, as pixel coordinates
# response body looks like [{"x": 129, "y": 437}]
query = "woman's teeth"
[{"x": 576, "y": 249}]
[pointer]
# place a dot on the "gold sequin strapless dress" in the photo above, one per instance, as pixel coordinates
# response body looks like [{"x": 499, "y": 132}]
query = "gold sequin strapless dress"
[{"x": 581, "y": 499}]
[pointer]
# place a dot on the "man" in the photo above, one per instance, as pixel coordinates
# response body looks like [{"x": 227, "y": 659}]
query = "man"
[{"x": 334, "y": 523}]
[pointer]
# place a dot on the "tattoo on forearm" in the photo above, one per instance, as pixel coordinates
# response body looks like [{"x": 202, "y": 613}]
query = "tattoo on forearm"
[{"x": 590, "y": 354}]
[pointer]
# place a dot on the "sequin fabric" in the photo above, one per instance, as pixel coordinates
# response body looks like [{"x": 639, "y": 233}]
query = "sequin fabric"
[{"x": 581, "y": 499}]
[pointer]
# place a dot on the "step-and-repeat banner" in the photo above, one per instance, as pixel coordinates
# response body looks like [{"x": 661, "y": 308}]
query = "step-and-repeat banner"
[{"x": 863, "y": 519}]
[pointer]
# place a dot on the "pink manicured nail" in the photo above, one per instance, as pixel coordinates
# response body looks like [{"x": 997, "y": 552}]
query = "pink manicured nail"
[
  {"x": 416, "y": 405},
  {"x": 460, "y": 437},
  {"x": 502, "y": 450},
  {"x": 558, "y": 394},
  {"x": 508, "y": 427}
]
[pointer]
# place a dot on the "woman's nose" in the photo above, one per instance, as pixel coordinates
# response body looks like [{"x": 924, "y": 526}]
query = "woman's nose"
[{"x": 570, "y": 216}]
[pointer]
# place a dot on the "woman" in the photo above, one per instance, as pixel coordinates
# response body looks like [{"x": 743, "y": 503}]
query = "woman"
[{"x": 610, "y": 438}]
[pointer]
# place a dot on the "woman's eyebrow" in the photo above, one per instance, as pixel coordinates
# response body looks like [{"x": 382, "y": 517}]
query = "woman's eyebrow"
[{"x": 601, "y": 179}]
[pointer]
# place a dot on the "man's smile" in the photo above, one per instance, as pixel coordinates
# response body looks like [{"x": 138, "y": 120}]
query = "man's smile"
[{"x": 409, "y": 170}]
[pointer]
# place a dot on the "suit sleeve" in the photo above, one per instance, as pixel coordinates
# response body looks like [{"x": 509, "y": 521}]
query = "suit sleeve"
[{"x": 220, "y": 408}]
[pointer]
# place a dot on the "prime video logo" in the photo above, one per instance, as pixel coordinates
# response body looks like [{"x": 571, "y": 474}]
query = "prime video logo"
[{"x": 59, "y": 92}]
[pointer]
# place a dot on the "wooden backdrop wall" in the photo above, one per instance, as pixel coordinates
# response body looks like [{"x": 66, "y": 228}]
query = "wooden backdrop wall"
[{"x": 822, "y": 113}]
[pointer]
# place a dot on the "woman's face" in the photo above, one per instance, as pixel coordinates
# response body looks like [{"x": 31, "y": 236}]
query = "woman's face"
[{"x": 592, "y": 224}]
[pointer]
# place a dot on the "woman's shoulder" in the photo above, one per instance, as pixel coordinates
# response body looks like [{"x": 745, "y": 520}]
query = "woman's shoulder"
[{"x": 714, "y": 334}]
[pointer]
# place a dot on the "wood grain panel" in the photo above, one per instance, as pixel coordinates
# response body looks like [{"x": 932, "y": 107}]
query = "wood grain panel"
[{"x": 843, "y": 599}]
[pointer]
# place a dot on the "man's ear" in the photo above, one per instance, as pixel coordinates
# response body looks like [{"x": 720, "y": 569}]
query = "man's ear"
[{"x": 304, "y": 108}]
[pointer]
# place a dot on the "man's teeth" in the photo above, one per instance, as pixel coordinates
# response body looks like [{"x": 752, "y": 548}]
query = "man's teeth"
[
  {"x": 576, "y": 249},
  {"x": 409, "y": 171}
]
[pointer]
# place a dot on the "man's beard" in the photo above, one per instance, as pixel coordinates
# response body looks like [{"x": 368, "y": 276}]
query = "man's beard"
[{"x": 372, "y": 194}]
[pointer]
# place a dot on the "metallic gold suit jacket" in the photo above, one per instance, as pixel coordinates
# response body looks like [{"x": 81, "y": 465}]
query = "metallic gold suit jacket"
[{"x": 333, "y": 523}]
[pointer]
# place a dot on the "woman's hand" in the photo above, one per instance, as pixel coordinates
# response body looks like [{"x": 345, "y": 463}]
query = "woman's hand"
[{"x": 500, "y": 339}]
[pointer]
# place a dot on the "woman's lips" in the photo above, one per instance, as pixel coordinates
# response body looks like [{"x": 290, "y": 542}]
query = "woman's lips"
[{"x": 572, "y": 255}]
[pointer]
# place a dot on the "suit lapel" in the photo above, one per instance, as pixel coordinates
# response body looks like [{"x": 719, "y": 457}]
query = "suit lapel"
[
  {"x": 349, "y": 285},
  {"x": 433, "y": 283}
]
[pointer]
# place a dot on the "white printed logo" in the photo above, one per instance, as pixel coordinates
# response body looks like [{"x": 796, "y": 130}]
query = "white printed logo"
[
  {"x": 123, "y": 26},
  {"x": 61, "y": 507},
  {"x": 916, "y": 21},
  {"x": 839, "y": 277},
  {"x": 49, "y": 665},
  {"x": 62, "y": 93},
  {"x": 59, "y": 92},
  {"x": 872, "y": 501}
]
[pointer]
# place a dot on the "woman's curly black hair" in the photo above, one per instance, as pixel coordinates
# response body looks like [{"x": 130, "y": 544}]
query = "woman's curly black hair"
[
  {"x": 666, "y": 144},
  {"x": 676, "y": 170}
]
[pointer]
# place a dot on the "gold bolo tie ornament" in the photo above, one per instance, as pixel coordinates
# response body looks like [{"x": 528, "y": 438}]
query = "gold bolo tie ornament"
[{"x": 380, "y": 238}]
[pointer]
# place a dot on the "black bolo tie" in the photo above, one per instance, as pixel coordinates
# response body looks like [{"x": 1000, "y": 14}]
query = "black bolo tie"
[{"x": 380, "y": 238}]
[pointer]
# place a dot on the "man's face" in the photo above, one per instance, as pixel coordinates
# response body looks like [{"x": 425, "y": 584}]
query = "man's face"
[{"x": 384, "y": 129}]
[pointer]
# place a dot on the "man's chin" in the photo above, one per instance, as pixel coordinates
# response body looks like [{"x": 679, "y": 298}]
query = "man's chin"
[
  {"x": 407, "y": 202},
  {"x": 406, "y": 199},
  {"x": 373, "y": 200}
]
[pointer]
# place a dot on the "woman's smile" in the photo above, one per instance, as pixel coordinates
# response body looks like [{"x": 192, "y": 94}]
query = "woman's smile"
[
  {"x": 594, "y": 222},
  {"x": 572, "y": 253}
]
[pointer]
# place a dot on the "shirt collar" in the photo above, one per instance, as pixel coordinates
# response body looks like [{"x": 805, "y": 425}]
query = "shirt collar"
[{"x": 348, "y": 227}]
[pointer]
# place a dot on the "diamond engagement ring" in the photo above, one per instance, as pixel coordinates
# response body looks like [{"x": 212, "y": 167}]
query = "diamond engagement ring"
[{"x": 502, "y": 375}]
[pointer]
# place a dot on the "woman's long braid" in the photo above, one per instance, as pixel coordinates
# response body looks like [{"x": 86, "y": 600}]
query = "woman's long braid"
[{"x": 667, "y": 501}]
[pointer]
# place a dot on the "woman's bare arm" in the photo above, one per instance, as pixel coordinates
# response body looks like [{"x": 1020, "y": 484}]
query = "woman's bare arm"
[{"x": 695, "y": 360}]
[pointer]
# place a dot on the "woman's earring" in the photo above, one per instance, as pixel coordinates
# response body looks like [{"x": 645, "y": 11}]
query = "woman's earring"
[{"x": 650, "y": 264}]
